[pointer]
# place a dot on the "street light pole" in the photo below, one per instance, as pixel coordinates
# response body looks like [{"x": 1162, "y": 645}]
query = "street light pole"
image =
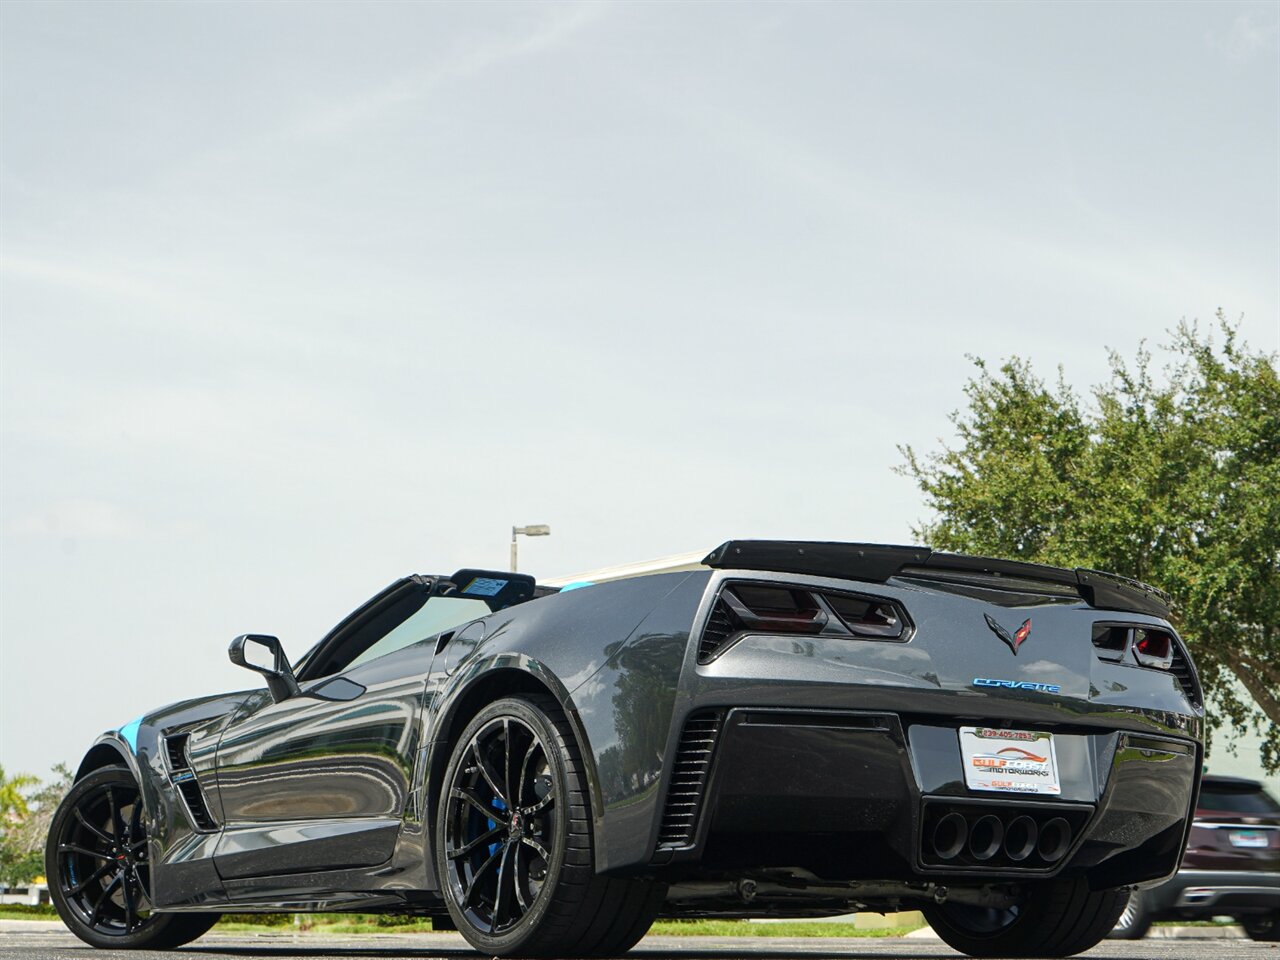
[{"x": 533, "y": 530}]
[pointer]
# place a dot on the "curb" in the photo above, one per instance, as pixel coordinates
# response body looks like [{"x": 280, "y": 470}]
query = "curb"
[
  {"x": 1231, "y": 932},
  {"x": 31, "y": 926},
  {"x": 1225, "y": 932}
]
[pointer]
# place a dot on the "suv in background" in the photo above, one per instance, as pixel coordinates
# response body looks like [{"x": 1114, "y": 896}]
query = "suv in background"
[{"x": 1231, "y": 867}]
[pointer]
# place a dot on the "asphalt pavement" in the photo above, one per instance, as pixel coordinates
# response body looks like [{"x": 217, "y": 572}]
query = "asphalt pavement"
[{"x": 60, "y": 945}]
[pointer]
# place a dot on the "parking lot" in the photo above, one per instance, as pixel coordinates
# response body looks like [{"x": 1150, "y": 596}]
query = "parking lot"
[{"x": 59, "y": 945}]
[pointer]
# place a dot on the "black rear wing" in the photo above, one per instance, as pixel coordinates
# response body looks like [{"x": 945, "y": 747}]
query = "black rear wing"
[{"x": 878, "y": 562}]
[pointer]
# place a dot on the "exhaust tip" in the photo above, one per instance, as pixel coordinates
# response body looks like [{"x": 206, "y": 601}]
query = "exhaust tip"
[
  {"x": 1054, "y": 841},
  {"x": 1020, "y": 838},
  {"x": 949, "y": 836},
  {"x": 985, "y": 837}
]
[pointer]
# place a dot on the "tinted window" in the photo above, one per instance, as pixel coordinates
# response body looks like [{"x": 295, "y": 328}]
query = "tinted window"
[
  {"x": 435, "y": 616},
  {"x": 1236, "y": 800}
]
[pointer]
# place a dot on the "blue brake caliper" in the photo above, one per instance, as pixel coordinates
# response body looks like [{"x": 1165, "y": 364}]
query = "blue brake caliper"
[{"x": 498, "y": 804}]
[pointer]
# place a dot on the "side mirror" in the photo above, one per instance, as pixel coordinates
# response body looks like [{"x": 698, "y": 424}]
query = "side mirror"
[{"x": 263, "y": 654}]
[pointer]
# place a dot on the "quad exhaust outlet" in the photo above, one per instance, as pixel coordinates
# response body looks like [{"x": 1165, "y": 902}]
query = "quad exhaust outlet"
[{"x": 998, "y": 836}]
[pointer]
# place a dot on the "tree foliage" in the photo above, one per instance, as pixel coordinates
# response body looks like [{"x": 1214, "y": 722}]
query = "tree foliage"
[
  {"x": 26, "y": 809},
  {"x": 1172, "y": 478}
]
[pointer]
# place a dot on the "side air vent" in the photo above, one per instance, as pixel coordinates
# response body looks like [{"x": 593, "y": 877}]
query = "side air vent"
[
  {"x": 176, "y": 750},
  {"x": 184, "y": 779},
  {"x": 770, "y": 608},
  {"x": 689, "y": 775}
]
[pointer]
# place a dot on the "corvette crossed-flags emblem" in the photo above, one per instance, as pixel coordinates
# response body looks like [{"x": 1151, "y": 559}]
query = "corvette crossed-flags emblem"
[{"x": 1014, "y": 640}]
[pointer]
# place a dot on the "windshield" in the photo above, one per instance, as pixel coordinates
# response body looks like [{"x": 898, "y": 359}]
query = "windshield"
[
  {"x": 435, "y": 616},
  {"x": 1248, "y": 800}
]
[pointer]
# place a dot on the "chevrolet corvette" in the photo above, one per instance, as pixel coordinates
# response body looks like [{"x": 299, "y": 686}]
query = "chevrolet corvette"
[{"x": 796, "y": 729}]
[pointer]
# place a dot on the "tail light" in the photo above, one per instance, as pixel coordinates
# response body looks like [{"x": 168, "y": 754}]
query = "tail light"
[
  {"x": 775, "y": 610},
  {"x": 1153, "y": 648},
  {"x": 1150, "y": 647},
  {"x": 744, "y": 608},
  {"x": 1111, "y": 641}
]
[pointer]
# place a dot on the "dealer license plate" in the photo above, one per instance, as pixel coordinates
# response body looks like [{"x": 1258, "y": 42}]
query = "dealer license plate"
[
  {"x": 1247, "y": 838},
  {"x": 1009, "y": 761}
]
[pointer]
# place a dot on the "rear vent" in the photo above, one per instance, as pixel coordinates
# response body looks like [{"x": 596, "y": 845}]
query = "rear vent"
[
  {"x": 184, "y": 778},
  {"x": 1181, "y": 669},
  {"x": 688, "y": 786},
  {"x": 715, "y": 635}
]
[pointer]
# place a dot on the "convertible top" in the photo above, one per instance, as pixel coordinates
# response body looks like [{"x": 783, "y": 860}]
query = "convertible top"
[{"x": 878, "y": 562}]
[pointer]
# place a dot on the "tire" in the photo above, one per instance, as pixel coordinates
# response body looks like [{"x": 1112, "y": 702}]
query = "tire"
[
  {"x": 1135, "y": 920},
  {"x": 506, "y": 898},
  {"x": 1263, "y": 927},
  {"x": 97, "y": 862},
  {"x": 1055, "y": 918}
]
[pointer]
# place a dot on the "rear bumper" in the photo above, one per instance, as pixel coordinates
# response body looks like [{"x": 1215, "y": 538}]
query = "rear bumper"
[
  {"x": 1217, "y": 892},
  {"x": 859, "y": 795}
]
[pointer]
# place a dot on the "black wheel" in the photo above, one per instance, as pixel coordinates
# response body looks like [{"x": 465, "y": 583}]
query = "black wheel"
[
  {"x": 96, "y": 860},
  {"x": 1264, "y": 927},
  {"x": 1053, "y": 918},
  {"x": 514, "y": 847},
  {"x": 1135, "y": 919}
]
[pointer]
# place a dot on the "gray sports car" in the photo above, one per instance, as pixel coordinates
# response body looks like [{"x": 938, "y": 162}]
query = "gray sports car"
[{"x": 795, "y": 730}]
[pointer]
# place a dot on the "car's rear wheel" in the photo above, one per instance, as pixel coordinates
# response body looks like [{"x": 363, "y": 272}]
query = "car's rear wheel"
[
  {"x": 97, "y": 862},
  {"x": 1134, "y": 921},
  {"x": 1053, "y": 918},
  {"x": 514, "y": 846},
  {"x": 1264, "y": 927}
]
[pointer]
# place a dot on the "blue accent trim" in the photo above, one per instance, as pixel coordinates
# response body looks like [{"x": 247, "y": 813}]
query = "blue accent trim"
[
  {"x": 130, "y": 734},
  {"x": 1017, "y": 685},
  {"x": 577, "y": 586}
]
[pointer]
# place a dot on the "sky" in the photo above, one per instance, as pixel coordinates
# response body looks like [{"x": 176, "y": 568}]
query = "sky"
[{"x": 298, "y": 298}]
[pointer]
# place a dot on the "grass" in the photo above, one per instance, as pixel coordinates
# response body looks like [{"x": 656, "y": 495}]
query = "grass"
[
  {"x": 783, "y": 928},
  {"x": 22, "y": 911},
  {"x": 353, "y": 923}
]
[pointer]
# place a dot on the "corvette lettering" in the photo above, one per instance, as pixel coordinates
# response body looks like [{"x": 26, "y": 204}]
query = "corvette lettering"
[{"x": 1017, "y": 685}]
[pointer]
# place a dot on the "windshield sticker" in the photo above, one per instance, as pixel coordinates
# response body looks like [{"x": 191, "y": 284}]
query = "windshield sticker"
[{"x": 485, "y": 587}]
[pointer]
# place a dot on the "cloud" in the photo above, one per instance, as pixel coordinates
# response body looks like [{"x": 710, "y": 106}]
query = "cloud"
[
  {"x": 78, "y": 519},
  {"x": 1245, "y": 39},
  {"x": 339, "y": 118}
]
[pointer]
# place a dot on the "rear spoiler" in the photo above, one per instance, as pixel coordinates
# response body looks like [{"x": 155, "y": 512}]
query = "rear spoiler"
[{"x": 878, "y": 562}]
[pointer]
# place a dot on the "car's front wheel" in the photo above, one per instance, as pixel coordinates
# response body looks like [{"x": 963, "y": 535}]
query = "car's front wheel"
[
  {"x": 1264, "y": 927},
  {"x": 97, "y": 862},
  {"x": 1052, "y": 918},
  {"x": 513, "y": 842}
]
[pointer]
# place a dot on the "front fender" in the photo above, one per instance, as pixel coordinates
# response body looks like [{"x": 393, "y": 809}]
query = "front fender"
[{"x": 112, "y": 749}]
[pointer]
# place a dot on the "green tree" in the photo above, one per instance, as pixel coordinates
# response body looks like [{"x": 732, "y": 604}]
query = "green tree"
[
  {"x": 13, "y": 796},
  {"x": 1173, "y": 479},
  {"x": 26, "y": 809}
]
